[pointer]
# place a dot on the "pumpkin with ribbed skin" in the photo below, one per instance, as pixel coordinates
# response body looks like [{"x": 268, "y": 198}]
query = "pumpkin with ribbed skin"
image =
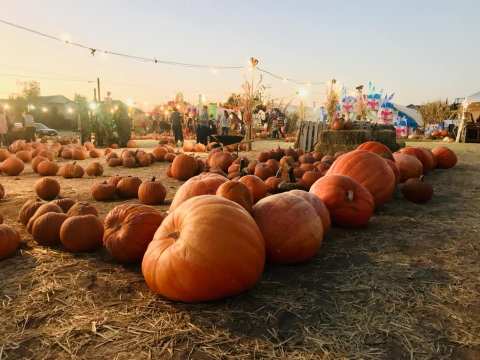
[
  {"x": 64, "y": 203},
  {"x": 408, "y": 165},
  {"x": 114, "y": 162},
  {"x": 152, "y": 192},
  {"x": 43, "y": 209},
  {"x": 272, "y": 184},
  {"x": 78, "y": 154},
  {"x": 71, "y": 171},
  {"x": 4, "y": 154},
  {"x": 81, "y": 233},
  {"x": 82, "y": 208},
  {"x": 2, "y": 192},
  {"x": 291, "y": 227},
  {"x": 350, "y": 204},
  {"x": 47, "y": 168},
  {"x": 46, "y": 228},
  {"x": 36, "y": 161},
  {"x": 9, "y": 241},
  {"x": 395, "y": 169},
  {"x": 369, "y": 170},
  {"x": 103, "y": 191},
  {"x": 318, "y": 205},
  {"x": 203, "y": 184},
  {"x": 12, "y": 166},
  {"x": 232, "y": 253},
  {"x": 220, "y": 159},
  {"x": 115, "y": 179},
  {"x": 184, "y": 167},
  {"x": 445, "y": 157},
  {"x": 236, "y": 192},
  {"x": 417, "y": 190},
  {"x": 257, "y": 186},
  {"x": 159, "y": 153},
  {"x": 263, "y": 171},
  {"x": 28, "y": 210},
  {"x": 94, "y": 169},
  {"x": 47, "y": 188},
  {"x": 422, "y": 155},
  {"x": 129, "y": 228},
  {"x": 309, "y": 177},
  {"x": 127, "y": 187},
  {"x": 24, "y": 155},
  {"x": 377, "y": 148}
]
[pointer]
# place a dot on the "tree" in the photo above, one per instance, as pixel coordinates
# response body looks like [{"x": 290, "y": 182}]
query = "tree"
[
  {"x": 31, "y": 91},
  {"x": 84, "y": 123},
  {"x": 435, "y": 111}
]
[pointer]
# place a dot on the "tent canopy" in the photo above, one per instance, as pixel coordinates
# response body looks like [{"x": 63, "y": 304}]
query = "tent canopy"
[{"x": 412, "y": 116}]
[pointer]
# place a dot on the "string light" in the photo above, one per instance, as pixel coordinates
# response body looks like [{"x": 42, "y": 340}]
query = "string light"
[
  {"x": 70, "y": 110},
  {"x": 44, "y": 109},
  {"x": 92, "y": 105}
]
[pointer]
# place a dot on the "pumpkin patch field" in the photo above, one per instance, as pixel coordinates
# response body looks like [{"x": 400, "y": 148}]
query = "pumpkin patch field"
[{"x": 138, "y": 254}]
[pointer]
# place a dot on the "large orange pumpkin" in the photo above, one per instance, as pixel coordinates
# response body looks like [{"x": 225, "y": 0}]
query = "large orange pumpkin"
[
  {"x": 318, "y": 205},
  {"x": 81, "y": 233},
  {"x": 208, "y": 248},
  {"x": 377, "y": 148},
  {"x": 9, "y": 241},
  {"x": 291, "y": 227},
  {"x": 395, "y": 169},
  {"x": 421, "y": 154},
  {"x": 408, "y": 165},
  {"x": 257, "y": 186},
  {"x": 203, "y": 184},
  {"x": 129, "y": 228},
  {"x": 350, "y": 204},
  {"x": 183, "y": 167},
  {"x": 445, "y": 157},
  {"x": 237, "y": 192},
  {"x": 369, "y": 170}
]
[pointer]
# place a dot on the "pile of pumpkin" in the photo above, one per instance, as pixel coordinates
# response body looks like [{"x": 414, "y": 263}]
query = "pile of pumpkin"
[{"x": 220, "y": 232}]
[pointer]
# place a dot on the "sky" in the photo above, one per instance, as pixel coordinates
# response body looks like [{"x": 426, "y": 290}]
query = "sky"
[{"x": 421, "y": 50}]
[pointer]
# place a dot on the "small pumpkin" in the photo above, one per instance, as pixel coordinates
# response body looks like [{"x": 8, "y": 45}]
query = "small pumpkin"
[
  {"x": 36, "y": 161},
  {"x": 24, "y": 155},
  {"x": 103, "y": 191},
  {"x": 236, "y": 192},
  {"x": 256, "y": 186},
  {"x": 421, "y": 154},
  {"x": 94, "y": 169},
  {"x": 46, "y": 228},
  {"x": 71, "y": 171},
  {"x": 82, "y": 233},
  {"x": 94, "y": 153},
  {"x": 64, "y": 203},
  {"x": 184, "y": 167},
  {"x": 9, "y": 241},
  {"x": 445, "y": 157},
  {"x": 417, "y": 190},
  {"x": 127, "y": 187},
  {"x": 28, "y": 210},
  {"x": 152, "y": 192},
  {"x": 220, "y": 159},
  {"x": 78, "y": 154},
  {"x": 43, "y": 209},
  {"x": 47, "y": 168},
  {"x": 129, "y": 228},
  {"x": 114, "y": 162},
  {"x": 272, "y": 184},
  {"x": 47, "y": 188},
  {"x": 408, "y": 165},
  {"x": 12, "y": 166},
  {"x": 263, "y": 171},
  {"x": 159, "y": 153},
  {"x": 82, "y": 208}
]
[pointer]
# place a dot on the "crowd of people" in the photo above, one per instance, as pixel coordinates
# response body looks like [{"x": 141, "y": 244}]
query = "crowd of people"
[{"x": 7, "y": 125}]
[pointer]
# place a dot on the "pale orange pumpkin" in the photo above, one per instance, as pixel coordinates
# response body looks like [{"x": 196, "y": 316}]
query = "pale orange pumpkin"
[
  {"x": 231, "y": 260},
  {"x": 257, "y": 186},
  {"x": 237, "y": 192}
]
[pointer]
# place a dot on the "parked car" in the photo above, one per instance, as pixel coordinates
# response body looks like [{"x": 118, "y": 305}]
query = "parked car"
[{"x": 42, "y": 130}]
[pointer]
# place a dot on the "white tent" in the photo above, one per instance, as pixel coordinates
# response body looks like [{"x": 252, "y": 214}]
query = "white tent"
[
  {"x": 470, "y": 111},
  {"x": 411, "y": 113}
]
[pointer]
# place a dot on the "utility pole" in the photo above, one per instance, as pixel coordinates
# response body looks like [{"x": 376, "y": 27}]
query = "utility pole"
[
  {"x": 95, "y": 94},
  {"x": 98, "y": 90}
]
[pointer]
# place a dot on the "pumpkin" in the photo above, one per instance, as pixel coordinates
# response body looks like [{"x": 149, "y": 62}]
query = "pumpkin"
[
  {"x": 94, "y": 169},
  {"x": 417, "y": 190},
  {"x": 103, "y": 191},
  {"x": 28, "y": 210},
  {"x": 445, "y": 157},
  {"x": 309, "y": 178},
  {"x": 129, "y": 228},
  {"x": 110, "y": 155},
  {"x": 2, "y": 192},
  {"x": 307, "y": 158},
  {"x": 88, "y": 145},
  {"x": 291, "y": 227},
  {"x": 114, "y": 146},
  {"x": 46, "y": 154},
  {"x": 159, "y": 153},
  {"x": 377, "y": 148},
  {"x": 36, "y": 161},
  {"x": 337, "y": 124},
  {"x": 257, "y": 186},
  {"x": 203, "y": 184},
  {"x": 350, "y": 204},
  {"x": 71, "y": 171},
  {"x": 395, "y": 169},
  {"x": 4, "y": 154},
  {"x": 236, "y": 192},
  {"x": 170, "y": 157},
  {"x": 127, "y": 188},
  {"x": 12, "y": 166},
  {"x": 219, "y": 159},
  {"x": 143, "y": 159},
  {"x": 232, "y": 257},
  {"x": 114, "y": 180},
  {"x": 298, "y": 172},
  {"x": 9, "y": 241},
  {"x": 94, "y": 153},
  {"x": 369, "y": 170},
  {"x": 115, "y": 161},
  {"x": 66, "y": 153},
  {"x": 78, "y": 154},
  {"x": 263, "y": 171},
  {"x": 421, "y": 154},
  {"x": 272, "y": 184},
  {"x": 152, "y": 192},
  {"x": 82, "y": 208},
  {"x": 47, "y": 188},
  {"x": 318, "y": 205},
  {"x": 264, "y": 156},
  {"x": 42, "y": 209},
  {"x": 287, "y": 161},
  {"x": 47, "y": 168},
  {"x": 24, "y": 155},
  {"x": 199, "y": 147},
  {"x": 129, "y": 162},
  {"x": 307, "y": 166},
  {"x": 46, "y": 228},
  {"x": 408, "y": 165},
  {"x": 64, "y": 203},
  {"x": 291, "y": 152},
  {"x": 81, "y": 233},
  {"x": 273, "y": 164},
  {"x": 184, "y": 167}
]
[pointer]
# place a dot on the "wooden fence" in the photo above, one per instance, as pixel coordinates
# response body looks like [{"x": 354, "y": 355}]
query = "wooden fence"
[{"x": 308, "y": 133}]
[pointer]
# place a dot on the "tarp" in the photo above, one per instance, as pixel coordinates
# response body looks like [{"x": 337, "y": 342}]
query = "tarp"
[
  {"x": 412, "y": 115},
  {"x": 474, "y": 98}
]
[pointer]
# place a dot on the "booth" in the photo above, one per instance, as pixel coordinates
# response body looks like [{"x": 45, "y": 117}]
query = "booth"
[{"x": 469, "y": 130}]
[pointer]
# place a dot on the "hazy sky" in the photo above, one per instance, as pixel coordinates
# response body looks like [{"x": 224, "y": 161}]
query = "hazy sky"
[{"x": 421, "y": 50}]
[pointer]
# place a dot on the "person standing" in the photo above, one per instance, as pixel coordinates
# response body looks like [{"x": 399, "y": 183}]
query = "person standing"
[
  {"x": 28, "y": 122},
  {"x": 3, "y": 127},
  {"x": 225, "y": 122},
  {"x": 176, "y": 122},
  {"x": 203, "y": 126}
]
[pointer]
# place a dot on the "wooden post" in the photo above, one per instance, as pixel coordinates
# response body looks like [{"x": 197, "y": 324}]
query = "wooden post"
[
  {"x": 462, "y": 125},
  {"x": 98, "y": 87}
]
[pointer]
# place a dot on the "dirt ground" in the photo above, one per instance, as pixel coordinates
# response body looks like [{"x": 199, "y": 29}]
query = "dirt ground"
[{"x": 407, "y": 287}]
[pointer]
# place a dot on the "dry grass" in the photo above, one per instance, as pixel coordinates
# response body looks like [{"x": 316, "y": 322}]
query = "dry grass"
[{"x": 405, "y": 288}]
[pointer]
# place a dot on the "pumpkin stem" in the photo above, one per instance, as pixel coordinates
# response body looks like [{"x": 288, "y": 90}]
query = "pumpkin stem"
[
  {"x": 421, "y": 178},
  {"x": 153, "y": 179},
  {"x": 350, "y": 195},
  {"x": 174, "y": 235}
]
